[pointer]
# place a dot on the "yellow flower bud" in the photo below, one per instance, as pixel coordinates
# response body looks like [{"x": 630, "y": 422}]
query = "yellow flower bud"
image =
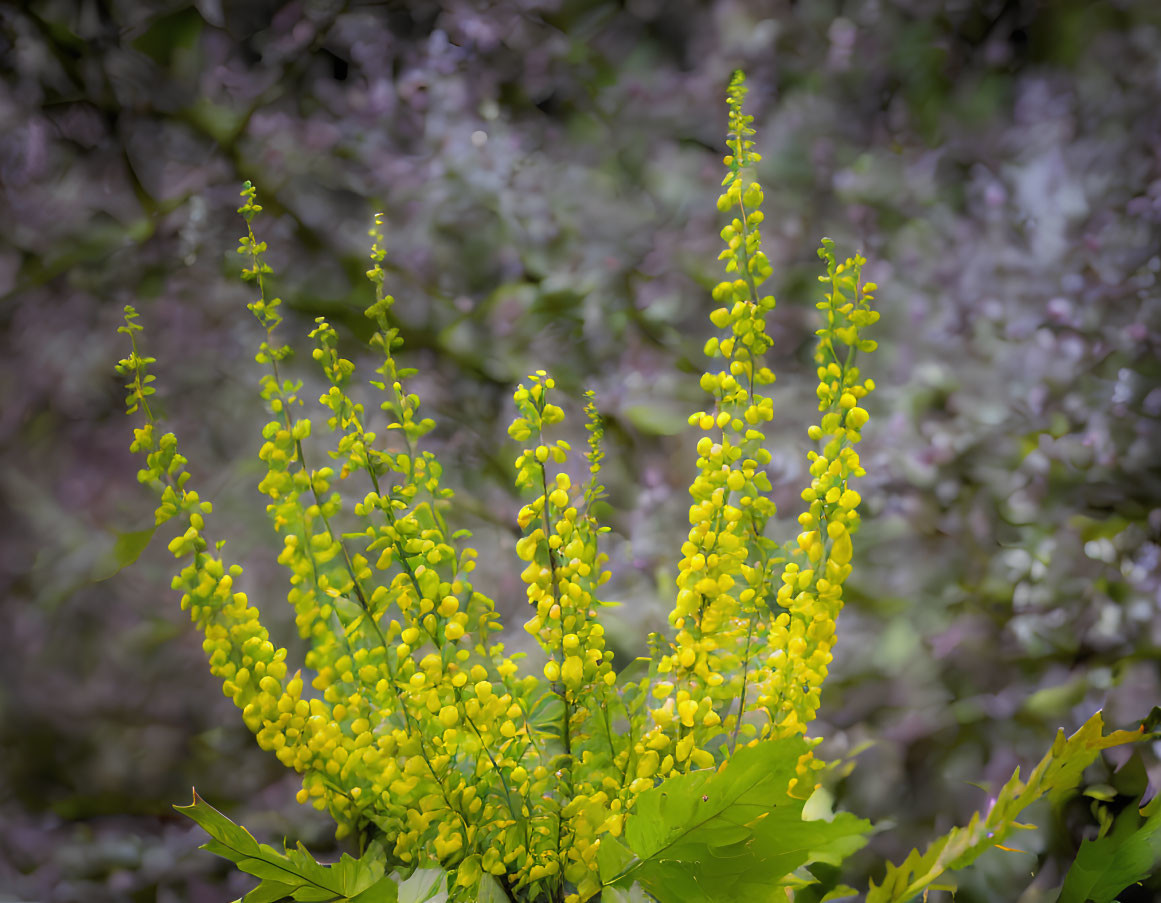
[{"x": 840, "y": 552}]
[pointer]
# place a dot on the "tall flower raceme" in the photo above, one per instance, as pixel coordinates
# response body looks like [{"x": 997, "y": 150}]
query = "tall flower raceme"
[
  {"x": 736, "y": 638},
  {"x": 461, "y": 778}
]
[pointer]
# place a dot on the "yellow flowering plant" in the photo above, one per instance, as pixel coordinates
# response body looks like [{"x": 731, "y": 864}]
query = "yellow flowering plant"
[{"x": 458, "y": 776}]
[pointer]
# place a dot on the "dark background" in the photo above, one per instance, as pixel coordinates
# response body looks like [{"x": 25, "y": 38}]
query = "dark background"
[{"x": 548, "y": 172}]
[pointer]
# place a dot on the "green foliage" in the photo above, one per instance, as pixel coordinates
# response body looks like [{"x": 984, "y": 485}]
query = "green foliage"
[
  {"x": 726, "y": 835},
  {"x": 1056, "y": 775},
  {"x": 685, "y": 777},
  {"x": 1107, "y": 865},
  {"x": 295, "y": 874}
]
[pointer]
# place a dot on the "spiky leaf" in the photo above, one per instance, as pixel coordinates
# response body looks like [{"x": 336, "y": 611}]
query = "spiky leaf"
[
  {"x": 727, "y": 834},
  {"x": 295, "y": 873},
  {"x": 1057, "y": 775}
]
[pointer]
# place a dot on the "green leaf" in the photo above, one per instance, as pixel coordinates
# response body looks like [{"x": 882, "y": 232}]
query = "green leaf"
[
  {"x": 819, "y": 883},
  {"x": 294, "y": 873},
  {"x": 491, "y": 891},
  {"x": 727, "y": 834},
  {"x": 382, "y": 891},
  {"x": 127, "y": 548},
  {"x": 424, "y": 886},
  {"x": 269, "y": 892},
  {"x": 613, "y": 858},
  {"x": 1106, "y": 866},
  {"x": 634, "y": 672},
  {"x": 1057, "y": 775},
  {"x": 634, "y": 894}
]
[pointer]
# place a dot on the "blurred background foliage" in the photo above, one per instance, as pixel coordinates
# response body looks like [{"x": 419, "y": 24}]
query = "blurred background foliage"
[{"x": 548, "y": 170}]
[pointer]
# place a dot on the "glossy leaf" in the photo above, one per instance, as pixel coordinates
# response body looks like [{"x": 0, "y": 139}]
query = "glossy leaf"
[
  {"x": 727, "y": 834},
  {"x": 1130, "y": 852}
]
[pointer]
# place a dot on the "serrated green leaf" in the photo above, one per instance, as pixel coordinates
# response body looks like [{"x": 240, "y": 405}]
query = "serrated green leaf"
[
  {"x": 232, "y": 841},
  {"x": 1106, "y": 866},
  {"x": 727, "y": 834},
  {"x": 1057, "y": 775},
  {"x": 294, "y": 873}
]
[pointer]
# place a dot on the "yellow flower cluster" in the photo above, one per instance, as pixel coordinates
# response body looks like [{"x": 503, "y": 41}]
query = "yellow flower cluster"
[
  {"x": 733, "y": 641},
  {"x": 563, "y": 574},
  {"x": 417, "y": 729},
  {"x": 725, "y": 568},
  {"x": 802, "y": 635}
]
